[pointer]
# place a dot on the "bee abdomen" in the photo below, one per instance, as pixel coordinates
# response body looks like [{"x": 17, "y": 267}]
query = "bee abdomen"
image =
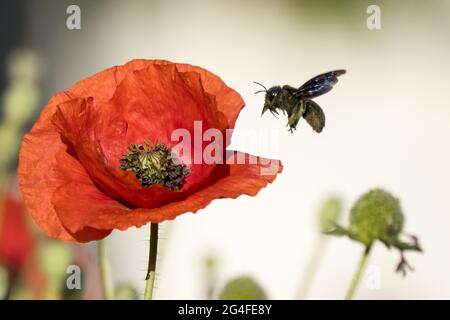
[{"x": 314, "y": 115}]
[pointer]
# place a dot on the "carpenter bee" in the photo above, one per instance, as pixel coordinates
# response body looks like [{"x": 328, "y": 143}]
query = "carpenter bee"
[{"x": 297, "y": 103}]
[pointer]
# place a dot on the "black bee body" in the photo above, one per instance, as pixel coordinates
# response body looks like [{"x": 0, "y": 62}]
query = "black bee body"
[{"x": 297, "y": 103}]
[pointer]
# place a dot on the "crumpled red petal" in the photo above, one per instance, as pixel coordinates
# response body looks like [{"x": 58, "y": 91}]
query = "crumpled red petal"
[
  {"x": 149, "y": 103},
  {"x": 94, "y": 209},
  {"x": 38, "y": 179},
  {"x": 68, "y": 169}
]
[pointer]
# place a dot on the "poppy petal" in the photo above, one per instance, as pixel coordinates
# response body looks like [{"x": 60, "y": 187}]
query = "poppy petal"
[
  {"x": 229, "y": 102},
  {"x": 100, "y": 134},
  {"x": 68, "y": 170},
  {"x": 39, "y": 176},
  {"x": 94, "y": 209}
]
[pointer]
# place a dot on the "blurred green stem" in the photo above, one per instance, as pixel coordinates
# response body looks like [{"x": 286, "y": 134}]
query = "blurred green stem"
[
  {"x": 357, "y": 277},
  {"x": 151, "y": 270},
  {"x": 312, "y": 267},
  {"x": 105, "y": 270}
]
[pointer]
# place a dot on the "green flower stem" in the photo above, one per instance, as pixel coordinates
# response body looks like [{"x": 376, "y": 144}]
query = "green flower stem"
[
  {"x": 151, "y": 270},
  {"x": 312, "y": 267},
  {"x": 105, "y": 270},
  {"x": 358, "y": 275}
]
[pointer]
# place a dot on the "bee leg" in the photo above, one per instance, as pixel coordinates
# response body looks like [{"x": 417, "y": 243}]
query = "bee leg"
[
  {"x": 291, "y": 128},
  {"x": 294, "y": 116},
  {"x": 274, "y": 113}
]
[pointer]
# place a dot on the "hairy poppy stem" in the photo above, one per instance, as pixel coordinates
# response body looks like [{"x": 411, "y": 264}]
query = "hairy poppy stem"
[
  {"x": 312, "y": 267},
  {"x": 151, "y": 270},
  {"x": 359, "y": 272},
  {"x": 105, "y": 270}
]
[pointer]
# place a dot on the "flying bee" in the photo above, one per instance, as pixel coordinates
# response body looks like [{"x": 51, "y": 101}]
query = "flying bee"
[{"x": 297, "y": 103}]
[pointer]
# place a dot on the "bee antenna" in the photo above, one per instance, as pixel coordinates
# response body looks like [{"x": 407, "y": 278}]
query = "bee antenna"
[{"x": 265, "y": 89}]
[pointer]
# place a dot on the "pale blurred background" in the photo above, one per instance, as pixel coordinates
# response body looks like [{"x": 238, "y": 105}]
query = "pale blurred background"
[{"x": 387, "y": 126}]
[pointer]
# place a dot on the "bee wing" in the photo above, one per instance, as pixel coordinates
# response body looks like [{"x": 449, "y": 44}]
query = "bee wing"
[
  {"x": 314, "y": 115},
  {"x": 319, "y": 84}
]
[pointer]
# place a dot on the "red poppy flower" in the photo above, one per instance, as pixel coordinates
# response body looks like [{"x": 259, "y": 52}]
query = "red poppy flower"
[
  {"x": 16, "y": 238},
  {"x": 86, "y": 168}
]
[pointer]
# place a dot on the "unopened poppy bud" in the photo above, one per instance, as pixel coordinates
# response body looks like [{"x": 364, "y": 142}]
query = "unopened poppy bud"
[
  {"x": 330, "y": 213},
  {"x": 242, "y": 288}
]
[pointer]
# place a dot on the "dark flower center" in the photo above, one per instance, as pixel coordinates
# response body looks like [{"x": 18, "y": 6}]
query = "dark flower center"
[{"x": 154, "y": 165}]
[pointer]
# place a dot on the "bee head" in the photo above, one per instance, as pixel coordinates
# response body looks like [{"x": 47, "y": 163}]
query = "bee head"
[
  {"x": 272, "y": 93},
  {"x": 270, "y": 101}
]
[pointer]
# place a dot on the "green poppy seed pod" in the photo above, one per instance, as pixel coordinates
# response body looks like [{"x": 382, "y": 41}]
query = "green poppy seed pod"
[
  {"x": 242, "y": 288},
  {"x": 376, "y": 215},
  {"x": 330, "y": 213}
]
